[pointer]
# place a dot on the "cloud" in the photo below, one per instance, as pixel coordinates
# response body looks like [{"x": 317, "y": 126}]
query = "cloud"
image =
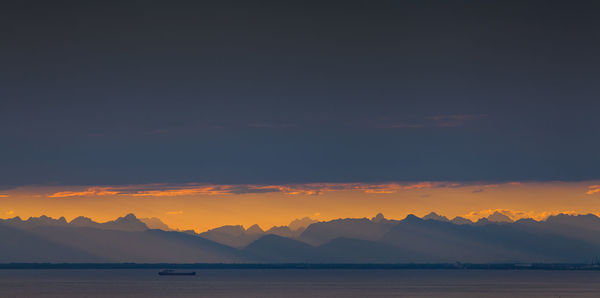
[
  {"x": 3, "y": 196},
  {"x": 10, "y": 212},
  {"x": 273, "y": 125},
  {"x": 178, "y": 212},
  {"x": 400, "y": 125},
  {"x": 516, "y": 214},
  {"x": 440, "y": 121},
  {"x": 206, "y": 190},
  {"x": 592, "y": 189},
  {"x": 307, "y": 189},
  {"x": 92, "y": 191},
  {"x": 454, "y": 120}
]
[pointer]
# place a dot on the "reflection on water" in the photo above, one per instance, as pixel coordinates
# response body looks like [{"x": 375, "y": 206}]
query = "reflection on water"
[{"x": 299, "y": 283}]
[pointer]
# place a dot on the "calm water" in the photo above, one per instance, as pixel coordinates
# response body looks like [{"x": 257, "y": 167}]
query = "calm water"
[{"x": 299, "y": 283}]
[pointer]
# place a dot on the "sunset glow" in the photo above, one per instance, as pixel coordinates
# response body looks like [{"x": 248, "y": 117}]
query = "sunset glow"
[{"x": 202, "y": 206}]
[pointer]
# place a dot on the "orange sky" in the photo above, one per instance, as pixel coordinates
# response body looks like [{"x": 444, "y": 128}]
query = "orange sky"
[{"x": 204, "y": 206}]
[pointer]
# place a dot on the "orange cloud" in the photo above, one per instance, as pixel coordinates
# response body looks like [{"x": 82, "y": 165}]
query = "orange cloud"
[
  {"x": 491, "y": 185},
  {"x": 3, "y": 196},
  {"x": 92, "y": 191},
  {"x": 593, "y": 189},
  {"x": 379, "y": 191},
  {"x": 516, "y": 214},
  {"x": 307, "y": 189},
  {"x": 174, "y": 212},
  {"x": 208, "y": 190}
]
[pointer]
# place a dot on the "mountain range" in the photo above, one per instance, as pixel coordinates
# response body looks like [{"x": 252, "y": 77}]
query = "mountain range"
[{"x": 431, "y": 239}]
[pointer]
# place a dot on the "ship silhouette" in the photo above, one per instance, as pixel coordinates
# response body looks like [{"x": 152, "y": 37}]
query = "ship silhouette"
[{"x": 174, "y": 272}]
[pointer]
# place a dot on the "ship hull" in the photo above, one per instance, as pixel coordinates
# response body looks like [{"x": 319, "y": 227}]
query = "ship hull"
[{"x": 177, "y": 273}]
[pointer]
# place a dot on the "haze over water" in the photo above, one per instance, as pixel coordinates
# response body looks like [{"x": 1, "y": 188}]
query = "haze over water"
[{"x": 300, "y": 283}]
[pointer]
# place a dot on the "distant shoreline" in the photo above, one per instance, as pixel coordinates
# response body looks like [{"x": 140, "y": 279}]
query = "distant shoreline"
[{"x": 445, "y": 266}]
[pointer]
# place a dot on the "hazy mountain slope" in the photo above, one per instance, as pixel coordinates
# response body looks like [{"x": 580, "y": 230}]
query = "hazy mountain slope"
[
  {"x": 155, "y": 223},
  {"x": 560, "y": 239},
  {"x": 125, "y": 223},
  {"x": 301, "y": 223},
  {"x": 284, "y": 231},
  {"x": 447, "y": 242},
  {"x": 347, "y": 250},
  {"x": 435, "y": 216},
  {"x": 234, "y": 236},
  {"x": 19, "y": 245},
  {"x": 360, "y": 228},
  {"x": 140, "y": 246},
  {"x": 273, "y": 248}
]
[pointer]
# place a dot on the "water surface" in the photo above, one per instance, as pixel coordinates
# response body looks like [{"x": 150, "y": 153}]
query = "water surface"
[{"x": 299, "y": 283}]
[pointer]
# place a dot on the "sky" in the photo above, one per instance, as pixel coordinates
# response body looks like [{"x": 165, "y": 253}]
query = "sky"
[
  {"x": 200, "y": 207},
  {"x": 161, "y": 95}
]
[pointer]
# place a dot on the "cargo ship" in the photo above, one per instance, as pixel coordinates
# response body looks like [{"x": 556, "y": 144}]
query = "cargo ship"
[{"x": 174, "y": 272}]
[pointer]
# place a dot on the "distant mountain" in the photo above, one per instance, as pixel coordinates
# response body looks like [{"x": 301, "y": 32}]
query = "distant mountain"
[
  {"x": 582, "y": 227},
  {"x": 46, "y": 221},
  {"x": 435, "y": 216},
  {"x": 237, "y": 236},
  {"x": 431, "y": 239},
  {"x": 284, "y": 231},
  {"x": 356, "y": 228},
  {"x": 447, "y": 242},
  {"x": 348, "y": 250},
  {"x": 301, "y": 223},
  {"x": 414, "y": 240},
  {"x": 125, "y": 223},
  {"x": 277, "y": 249},
  {"x": 155, "y": 223},
  {"x": 82, "y": 221},
  {"x": 125, "y": 239},
  {"x": 378, "y": 218},
  {"x": 461, "y": 221},
  {"x": 254, "y": 229},
  {"x": 234, "y": 236},
  {"x": 499, "y": 217},
  {"x": 22, "y": 246},
  {"x": 84, "y": 244}
]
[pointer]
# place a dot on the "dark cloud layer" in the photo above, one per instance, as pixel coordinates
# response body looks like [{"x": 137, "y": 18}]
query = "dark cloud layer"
[{"x": 276, "y": 92}]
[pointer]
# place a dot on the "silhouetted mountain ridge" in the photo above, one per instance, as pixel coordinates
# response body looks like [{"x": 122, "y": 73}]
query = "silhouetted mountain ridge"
[
  {"x": 128, "y": 222},
  {"x": 432, "y": 239}
]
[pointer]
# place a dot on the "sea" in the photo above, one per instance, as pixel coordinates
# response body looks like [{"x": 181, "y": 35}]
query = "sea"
[{"x": 299, "y": 283}]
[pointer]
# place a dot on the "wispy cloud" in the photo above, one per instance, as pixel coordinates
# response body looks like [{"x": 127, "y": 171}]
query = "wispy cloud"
[
  {"x": 92, "y": 191},
  {"x": 10, "y": 212},
  {"x": 309, "y": 189},
  {"x": 178, "y": 212},
  {"x": 516, "y": 214},
  {"x": 273, "y": 125},
  {"x": 454, "y": 120},
  {"x": 441, "y": 121},
  {"x": 4, "y": 196},
  {"x": 592, "y": 189}
]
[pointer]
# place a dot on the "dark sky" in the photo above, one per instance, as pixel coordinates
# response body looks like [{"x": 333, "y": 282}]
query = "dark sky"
[{"x": 122, "y": 92}]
